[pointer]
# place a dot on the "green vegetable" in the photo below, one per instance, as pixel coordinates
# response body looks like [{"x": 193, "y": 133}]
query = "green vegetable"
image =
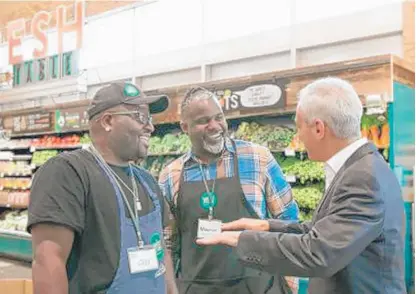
[
  {"x": 305, "y": 170},
  {"x": 305, "y": 216},
  {"x": 271, "y": 136},
  {"x": 179, "y": 143},
  {"x": 40, "y": 157},
  {"x": 308, "y": 197}
]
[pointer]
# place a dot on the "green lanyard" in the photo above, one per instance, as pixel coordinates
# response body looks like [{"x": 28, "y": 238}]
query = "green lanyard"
[
  {"x": 211, "y": 193},
  {"x": 134, "y": 216}
]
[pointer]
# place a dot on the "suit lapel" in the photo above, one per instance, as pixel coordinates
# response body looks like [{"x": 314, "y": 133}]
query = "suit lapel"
[{"x": 367, "y": 148}]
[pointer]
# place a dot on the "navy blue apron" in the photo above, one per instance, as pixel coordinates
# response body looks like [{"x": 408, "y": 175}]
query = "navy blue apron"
[{"x": 151, "y": 229}]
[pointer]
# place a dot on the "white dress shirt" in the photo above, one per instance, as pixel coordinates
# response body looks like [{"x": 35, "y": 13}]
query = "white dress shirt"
[{"x": 334, "y": 164}]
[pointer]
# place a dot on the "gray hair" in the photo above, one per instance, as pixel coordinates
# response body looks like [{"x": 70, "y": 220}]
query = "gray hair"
[
  {"x": 336, "y": 103},
  {"x": 194, "y": 94}
]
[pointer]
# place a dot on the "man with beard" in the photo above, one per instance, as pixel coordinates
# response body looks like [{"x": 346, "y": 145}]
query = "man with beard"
[
  {"x": 96, "y": 219},
  {"x": 218, "y": 181}
]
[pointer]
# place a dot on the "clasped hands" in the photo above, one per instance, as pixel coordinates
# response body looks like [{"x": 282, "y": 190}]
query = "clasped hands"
[{"x": 231, "y": 232}]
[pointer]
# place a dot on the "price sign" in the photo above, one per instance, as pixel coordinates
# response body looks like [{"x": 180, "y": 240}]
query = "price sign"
[
  {"x": 291, "y": 179},
  {"x": 290, "y": 152}
]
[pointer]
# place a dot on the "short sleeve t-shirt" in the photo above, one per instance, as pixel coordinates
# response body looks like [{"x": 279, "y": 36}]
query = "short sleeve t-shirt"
[{"x": 71, "y": 190}]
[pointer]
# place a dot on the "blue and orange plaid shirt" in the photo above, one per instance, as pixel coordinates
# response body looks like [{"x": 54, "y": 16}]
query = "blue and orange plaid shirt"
[{"x": 261, "y": 178}]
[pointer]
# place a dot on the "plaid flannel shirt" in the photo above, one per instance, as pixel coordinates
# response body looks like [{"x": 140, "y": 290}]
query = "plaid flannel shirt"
[{"x": 261, "y": 178}]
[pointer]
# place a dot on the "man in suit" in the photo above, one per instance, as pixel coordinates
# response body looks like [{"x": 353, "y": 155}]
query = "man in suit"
[{"x": 354, "y": 243}]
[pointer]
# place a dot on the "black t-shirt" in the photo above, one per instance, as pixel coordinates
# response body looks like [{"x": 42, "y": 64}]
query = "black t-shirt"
[{"x": 72, "y": 190}]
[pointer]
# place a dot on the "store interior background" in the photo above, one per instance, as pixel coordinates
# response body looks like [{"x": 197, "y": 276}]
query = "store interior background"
[{"x": 168, "y": 45}]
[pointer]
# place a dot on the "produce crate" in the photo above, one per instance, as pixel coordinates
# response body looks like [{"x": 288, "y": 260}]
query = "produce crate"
[{"x": 16, "y": 286}]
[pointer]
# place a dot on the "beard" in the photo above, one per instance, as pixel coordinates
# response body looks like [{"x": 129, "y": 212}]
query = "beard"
[{"x": 215, "y": 148}]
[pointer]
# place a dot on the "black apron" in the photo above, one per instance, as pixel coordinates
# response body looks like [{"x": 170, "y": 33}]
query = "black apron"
[{"x": 216, "y": 269}]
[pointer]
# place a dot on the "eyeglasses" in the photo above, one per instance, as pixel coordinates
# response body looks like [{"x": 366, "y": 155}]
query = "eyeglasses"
[{"x": 137, "y": 116}]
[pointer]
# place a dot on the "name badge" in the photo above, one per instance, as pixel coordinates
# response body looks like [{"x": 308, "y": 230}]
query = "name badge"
[
  {"x": 207, "y": 228},
  {"x": 142, "y": 259}
]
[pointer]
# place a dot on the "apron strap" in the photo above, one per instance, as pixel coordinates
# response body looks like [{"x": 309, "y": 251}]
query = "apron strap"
[{"x": 144, "y": 180}]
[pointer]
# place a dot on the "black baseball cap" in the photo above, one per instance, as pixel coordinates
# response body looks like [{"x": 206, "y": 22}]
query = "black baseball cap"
[{"x": 125, "y": 93}]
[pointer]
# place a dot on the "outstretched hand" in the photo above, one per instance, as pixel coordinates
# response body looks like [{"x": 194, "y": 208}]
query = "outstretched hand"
[
  {"x": 246, "y": 224},
  {"x": 231, "y": 232},
  {"x": 224, "y": 238}
]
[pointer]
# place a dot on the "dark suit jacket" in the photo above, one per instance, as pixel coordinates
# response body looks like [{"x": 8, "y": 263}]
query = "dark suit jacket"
[{"x": 355, "y": 241}]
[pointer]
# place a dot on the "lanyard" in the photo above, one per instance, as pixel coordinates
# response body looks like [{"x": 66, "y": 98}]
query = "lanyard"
[
  {"x": 210, "y": 193},
  {"x": 134, "y": 216}
]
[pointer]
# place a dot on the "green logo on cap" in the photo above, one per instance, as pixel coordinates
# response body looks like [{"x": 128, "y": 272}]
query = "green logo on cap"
[{"x": 131, "y": 91}]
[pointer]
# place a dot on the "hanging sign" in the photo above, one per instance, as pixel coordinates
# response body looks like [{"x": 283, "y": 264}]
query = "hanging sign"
[
  {"x": 71, "y": 119},
  {"x": 252, "y": 98},
  {"x": 249, "y": 99},
  {"x": 16, "y": 30},
  {"x": 32, "y": 123}
]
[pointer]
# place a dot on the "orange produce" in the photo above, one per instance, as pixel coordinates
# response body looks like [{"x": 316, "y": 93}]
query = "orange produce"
[{"x": 385, "y": 136}]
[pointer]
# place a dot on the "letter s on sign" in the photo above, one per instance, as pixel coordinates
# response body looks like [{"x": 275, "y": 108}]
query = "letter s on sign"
[{"x": 42, "y": 17}]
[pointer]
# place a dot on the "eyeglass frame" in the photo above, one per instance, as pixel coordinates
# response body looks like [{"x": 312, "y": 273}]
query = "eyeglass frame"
[{"x": 149, "y": 118}]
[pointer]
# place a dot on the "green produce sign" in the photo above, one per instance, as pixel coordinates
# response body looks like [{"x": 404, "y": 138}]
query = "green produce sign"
[{"x": 71, "y": 119}]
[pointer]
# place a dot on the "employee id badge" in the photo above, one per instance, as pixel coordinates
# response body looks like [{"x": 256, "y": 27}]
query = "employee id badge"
[
  {"x": 207, "y": 227},
  {"x": 142, "y": 259}
]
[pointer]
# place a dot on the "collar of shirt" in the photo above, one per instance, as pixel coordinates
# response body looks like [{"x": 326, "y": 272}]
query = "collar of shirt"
[
  {"x": 190, "y": 158},
  {"x": 334, "y": 164}
]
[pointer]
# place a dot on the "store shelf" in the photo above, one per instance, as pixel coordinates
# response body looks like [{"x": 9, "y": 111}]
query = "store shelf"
[
  {"x": 15, "y": 174},
  {"x": 16, "y": 244},
  {"x": 4, "y": 232},
  {"x": 21, "y": 158},
  {"x": 14, "y": 148},
  {"x": 58, "y": 147}
]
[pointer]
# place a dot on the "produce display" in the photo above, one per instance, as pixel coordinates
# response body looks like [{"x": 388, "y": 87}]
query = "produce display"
[
  {"x": 170, "y": 143},
  {"x": 14, "y": 144},
  {"x": 14, "y": 220},
  {"x": 271, "y": 136},
  {"x": 308, "y": 197},
  {"x": 376, "y": 129},
  {"x": 155, "y": 164},
  {"x": 85, "y": 139},
  {"x": 309, "y": 181},
  {"x": 56, "y": 141},
  {"x": 40, "y": 157},
  {"x": 14, "y": 198},
  {"x": 305, "y": 171},
  {"x": 15, "y": 168},
  {"x": 306, "y": 177},
  {"x": 15, "y": 183}
]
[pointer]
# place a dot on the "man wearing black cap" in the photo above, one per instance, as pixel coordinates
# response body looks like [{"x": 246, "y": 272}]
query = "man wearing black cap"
[{"x": 96, "y": 219}]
